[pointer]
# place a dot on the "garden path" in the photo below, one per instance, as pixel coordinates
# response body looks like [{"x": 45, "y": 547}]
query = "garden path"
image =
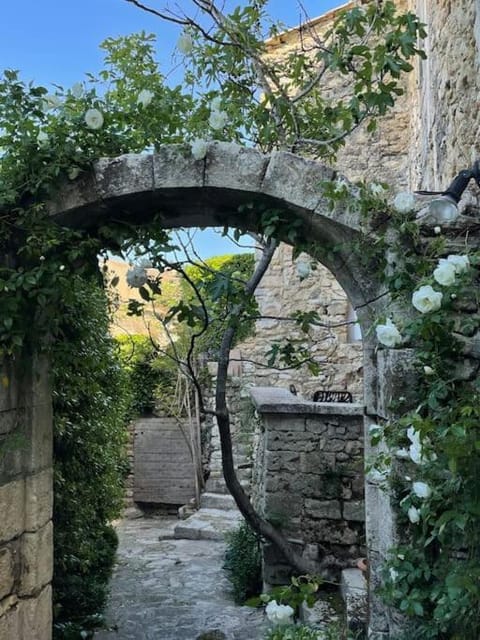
[{"x": 172, "y": 589}]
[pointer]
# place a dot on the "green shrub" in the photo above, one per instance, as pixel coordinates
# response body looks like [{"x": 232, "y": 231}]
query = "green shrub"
[
  {"x": 90, "y": 397},
  {"x": 293, "y": 632},
  {"x": 243, "y": 563}
]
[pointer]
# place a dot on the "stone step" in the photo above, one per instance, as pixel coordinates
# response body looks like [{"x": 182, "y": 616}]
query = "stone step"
[
  {"x": 216, "y": 484},
  {"x": 208, "y": 524},
  {"x": 217, "y": 501}
]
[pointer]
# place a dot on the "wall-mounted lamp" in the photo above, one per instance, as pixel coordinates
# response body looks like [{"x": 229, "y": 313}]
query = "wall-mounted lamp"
[{"x": 444, "y": 208}]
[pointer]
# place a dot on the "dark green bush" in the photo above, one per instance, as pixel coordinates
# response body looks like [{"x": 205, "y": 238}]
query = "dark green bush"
[
  {"x": 90, "y": 396},
  {"x": 243, "y": 563}
]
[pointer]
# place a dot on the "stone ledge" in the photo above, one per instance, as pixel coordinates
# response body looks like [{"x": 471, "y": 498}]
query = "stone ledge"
[{"x": 276, "y": 400}]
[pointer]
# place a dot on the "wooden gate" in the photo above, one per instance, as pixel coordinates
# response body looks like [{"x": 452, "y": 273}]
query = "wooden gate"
[{"x": 164, "y": 461}]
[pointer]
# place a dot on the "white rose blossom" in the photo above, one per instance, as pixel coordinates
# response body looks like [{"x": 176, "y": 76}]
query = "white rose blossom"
[
  {"x": 303, "y": 269},
  {"x": 437, "y": 230},
  {"x": 199, "y": 148},
  {"x": 185, "y": 43},
  {"x": 377, "y": 189},
  {"x": 136, "y": 277},
  {"x": 445, "y": 273},
  {"x": 51, "y": 101},
  {"x": 415, "y": 450},
  {"x": 94, "y": 119},
  {"x": 404, "y": 202},
  {"x": 414, "y": 515},
  {"x": 428, "y": 371},
  {"x": 218, "y": 119},
  {"x": 42, "y": 139},
  {"x": 145, "y": 97},
  {"x": 280, "y": 614},
  {"x": 461, "y": 263},
  {"x": 393, "y": 574},
  {"x": 388, "y": 334},
  {"x": 421, "y": 490},
  {"x": 426, "y": 299}
]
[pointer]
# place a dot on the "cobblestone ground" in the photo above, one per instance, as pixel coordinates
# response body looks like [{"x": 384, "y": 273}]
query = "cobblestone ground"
[{"x": 167, "y": 589}]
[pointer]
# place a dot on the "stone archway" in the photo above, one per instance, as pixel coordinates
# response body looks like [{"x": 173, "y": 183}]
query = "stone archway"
[{"x": 189, "y": 193}]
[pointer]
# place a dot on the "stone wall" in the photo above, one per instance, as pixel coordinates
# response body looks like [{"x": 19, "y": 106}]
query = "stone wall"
[
  {"x": 309, "y": 478},
  {"x": 26, "y": 499},
  {"x": 445, "y": 134},
  {"x": 280, "y": 294}
]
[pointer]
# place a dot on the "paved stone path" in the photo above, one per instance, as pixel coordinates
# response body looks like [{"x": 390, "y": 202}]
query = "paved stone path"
[{"x": 169, "y": 589}]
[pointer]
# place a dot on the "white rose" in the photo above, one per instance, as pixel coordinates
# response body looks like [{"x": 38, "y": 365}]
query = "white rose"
[
  {"x": 404, "y": 202},
  {"x": 199, "y": 148},
  {"x": 421, "y": 490},
  {"x": 51, "y": 101},
  {"x": 428, "y": 371},
  {"x": 94, "y": 119},
  {"x": 437, "y": 230},
  {"x": 218, "y": 119},
  {"x": 185, "y": 43},
  {"x": 77, "y": 90},
  {"x": 376, "y": 189},
  {"x": 42, "y": 139},
  {"x": 279, "y": 613},
  {"x": 461, "y": 263},
  {"x": 388, "y": 334},
  {"x": 216, "y": 103},
  {"x": 415, "y": 450},
  {"x": 445, "y": 273},
  {"x": 303, "y": 269},
  {"x": 136, "y": 277},
  {"x": 414, "y": 515},
  {"x": 145, "y": 97},
  {"x": 426, "y": 299}
]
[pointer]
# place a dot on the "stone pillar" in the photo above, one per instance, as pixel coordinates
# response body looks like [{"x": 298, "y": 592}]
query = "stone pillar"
[
  {"x": 312, "y": 480},
  {"x": 26, "y": 499},
  {"x": 395, "y": 381}
]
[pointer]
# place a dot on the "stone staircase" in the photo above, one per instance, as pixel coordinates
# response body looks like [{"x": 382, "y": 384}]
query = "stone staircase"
[{"x": 218, "y": 513}]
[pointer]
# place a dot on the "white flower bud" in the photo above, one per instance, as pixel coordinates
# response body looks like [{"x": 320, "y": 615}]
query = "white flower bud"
[
  {"x": 421, "y": 490},
  {"x": 414, "y": 515}
]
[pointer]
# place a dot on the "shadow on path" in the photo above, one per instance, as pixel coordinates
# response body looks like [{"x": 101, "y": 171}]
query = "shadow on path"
[{"x": 168, "y": 589}]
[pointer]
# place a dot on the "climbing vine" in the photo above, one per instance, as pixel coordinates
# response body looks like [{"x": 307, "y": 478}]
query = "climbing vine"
[{"x": 429, "y": 455}]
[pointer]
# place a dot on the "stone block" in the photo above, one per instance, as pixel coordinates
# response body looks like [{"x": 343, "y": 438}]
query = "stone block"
[
  {"x": 294, "y": 179},
  {"x": 10, "y": 621},
  {"x": 36, "y": 616},
  {"x": 229, "y": 166},
  {"x": 285, "y": 461},
  {"x": 38, "y": 499},
  {"x": 317, "y": 462},
  {"x": 12, "y": 499},
  {"x": 282, "y": 506},
  {"x": 379, "y": 521},
  {"x": 354, "y": 511},
  {"x": 397, "y": 378},
  {"x": 174, "y": 167},
  {"x": 316, "y": 426},
  {"x": 321, "y": 509},
  {"x": 7, "y": 569},
  {"x": 335, "y": 532},
  {"x": 36, "y": 560},
  {"x": 128, "y": 173},
  {"x": 285, "y": 423}
]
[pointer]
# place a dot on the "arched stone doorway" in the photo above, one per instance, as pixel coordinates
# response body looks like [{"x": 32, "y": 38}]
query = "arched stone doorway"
[{"x": 230, "y": 187}]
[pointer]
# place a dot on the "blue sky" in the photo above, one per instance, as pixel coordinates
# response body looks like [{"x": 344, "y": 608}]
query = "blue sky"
[{"x": 56, "y": 41}]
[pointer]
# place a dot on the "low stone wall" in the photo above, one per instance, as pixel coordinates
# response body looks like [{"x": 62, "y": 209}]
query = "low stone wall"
[
  {"x": 309, "y": 478},
  {"x": 26, "y": 499}
]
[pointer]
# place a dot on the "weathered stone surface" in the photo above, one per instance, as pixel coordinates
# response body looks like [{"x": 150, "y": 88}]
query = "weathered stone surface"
[
  {"x": 7, "y": 570},
  {"x": 396, "y": 377},
  {"x": 174, "y": 166},
  {"x": 38, "y": 499},
  {"x": 36, "y": 560},
  {"x": 12, "y": 499},
  {"x": 231, "y": 167},
  {"x": 125, "y": 174},
  {"x": 354, "y": 511},
  {"x": 10, "y": 621},
  {"x": 36, "y": 616},
  {"x": 323, "y": 509}
]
